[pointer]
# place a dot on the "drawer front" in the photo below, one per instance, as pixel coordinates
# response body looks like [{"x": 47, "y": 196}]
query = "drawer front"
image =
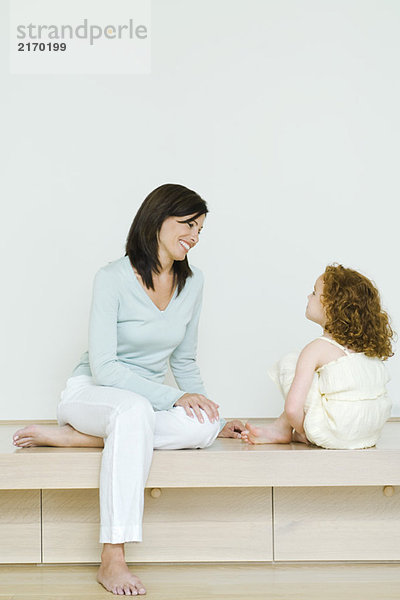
[
  {"x": 180, "y": 524},
  {"x": 20, "y": 526},
  {"x": 337, "y": 523}
]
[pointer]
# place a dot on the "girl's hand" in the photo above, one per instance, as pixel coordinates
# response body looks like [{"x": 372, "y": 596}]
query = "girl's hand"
[
  {"x": 192, "y": 403},
  {"x": 232, "y": 429}
]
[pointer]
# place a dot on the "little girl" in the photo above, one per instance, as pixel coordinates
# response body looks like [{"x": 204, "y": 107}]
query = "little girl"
[{"x": 335, "y": 394}]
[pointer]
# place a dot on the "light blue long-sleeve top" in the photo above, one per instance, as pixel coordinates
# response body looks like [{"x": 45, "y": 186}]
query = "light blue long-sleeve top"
[{"x": 131, "y": 340}]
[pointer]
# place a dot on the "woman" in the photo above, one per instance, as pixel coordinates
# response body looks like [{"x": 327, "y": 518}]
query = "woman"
[{"x": 145, "y": 312}]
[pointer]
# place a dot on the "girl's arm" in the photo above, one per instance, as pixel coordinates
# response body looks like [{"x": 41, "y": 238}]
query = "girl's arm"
[{"x": 308, "y": 362}]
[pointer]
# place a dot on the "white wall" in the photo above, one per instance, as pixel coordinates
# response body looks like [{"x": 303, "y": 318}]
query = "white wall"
[{"x": 284, "y": 115}]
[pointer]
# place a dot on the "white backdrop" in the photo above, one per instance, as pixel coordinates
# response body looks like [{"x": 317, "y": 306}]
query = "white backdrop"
[{"x": 283, "y": 114}]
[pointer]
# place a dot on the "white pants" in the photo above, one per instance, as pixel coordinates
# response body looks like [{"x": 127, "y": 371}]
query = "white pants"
[{"x": 131, "y": 429}]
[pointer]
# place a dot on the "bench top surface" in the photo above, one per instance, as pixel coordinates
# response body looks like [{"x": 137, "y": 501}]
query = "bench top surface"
[{"x": 227, "y": 463}]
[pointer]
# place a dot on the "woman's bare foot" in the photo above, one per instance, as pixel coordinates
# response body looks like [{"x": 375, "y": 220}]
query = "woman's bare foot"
[
  {"x": 270, "y": 434},
  {"x": 114, "y": 574},
  {"x": 49, "y": 435}
]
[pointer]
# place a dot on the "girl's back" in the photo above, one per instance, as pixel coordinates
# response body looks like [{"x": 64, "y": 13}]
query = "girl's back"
[{"x": 348, "y": 402}]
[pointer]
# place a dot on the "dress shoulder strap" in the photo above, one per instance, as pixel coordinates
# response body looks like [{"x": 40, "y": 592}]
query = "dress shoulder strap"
[{"x": 335, "y": 344}]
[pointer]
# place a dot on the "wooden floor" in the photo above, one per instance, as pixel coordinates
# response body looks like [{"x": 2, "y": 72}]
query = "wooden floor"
[{"x": 205, "y": 582}]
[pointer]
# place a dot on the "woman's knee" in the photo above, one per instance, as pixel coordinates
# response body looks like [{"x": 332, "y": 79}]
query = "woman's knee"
[{"x": 204, "y": 434}]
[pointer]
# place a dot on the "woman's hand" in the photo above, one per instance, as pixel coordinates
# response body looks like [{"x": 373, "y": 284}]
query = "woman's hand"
[
  {"x": 232, "y": 429},
  {"x": 192, "y": 403}
]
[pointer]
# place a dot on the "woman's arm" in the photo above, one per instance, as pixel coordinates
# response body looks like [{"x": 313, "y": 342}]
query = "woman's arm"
[
  {"x": 307, "y": 363},
  {"x": 106, "y": 368},
  {"x": 186, "y": 370},
  {"x": 183, "y": 359}
]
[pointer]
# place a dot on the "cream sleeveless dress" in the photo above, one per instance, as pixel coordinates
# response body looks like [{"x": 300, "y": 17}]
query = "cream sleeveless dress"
[{"x": 347, "y": 404}]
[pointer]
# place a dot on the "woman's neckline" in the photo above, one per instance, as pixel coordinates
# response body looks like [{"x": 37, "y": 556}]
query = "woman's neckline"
[{"x": 135, "y": 276}]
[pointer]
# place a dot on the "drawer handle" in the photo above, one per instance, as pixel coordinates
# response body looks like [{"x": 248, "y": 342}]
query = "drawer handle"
[
  {"x": 155, "y": 493},
  {"x": 388, "y": 491}
]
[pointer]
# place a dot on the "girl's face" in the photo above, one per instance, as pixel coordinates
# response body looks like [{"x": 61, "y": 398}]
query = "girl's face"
[
  {"x": 177, "y": 236},
  {"x": 315, "y": 310}
]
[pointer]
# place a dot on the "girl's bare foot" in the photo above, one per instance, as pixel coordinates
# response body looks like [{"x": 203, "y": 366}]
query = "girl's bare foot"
[
  {"x": 270, "y": 434},
  {"x": 114, "y": 574},
  {"x": 50, "y": 435},
  {"x": 299, "y": 437}
]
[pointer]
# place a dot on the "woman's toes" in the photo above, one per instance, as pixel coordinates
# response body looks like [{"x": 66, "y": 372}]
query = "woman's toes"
[{"x": 139, "y": 588}]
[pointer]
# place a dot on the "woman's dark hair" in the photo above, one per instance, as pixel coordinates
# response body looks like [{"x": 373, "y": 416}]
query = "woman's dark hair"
[{"x": 168, "y": 200}]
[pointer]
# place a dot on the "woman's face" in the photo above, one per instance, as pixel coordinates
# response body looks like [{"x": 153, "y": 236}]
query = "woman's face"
[
  {"x": 315, "y": 310},
  {"x": 177, "y": 236}
]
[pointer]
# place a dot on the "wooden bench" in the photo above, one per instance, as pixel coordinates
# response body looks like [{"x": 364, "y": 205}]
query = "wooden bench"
[{"x": 229, "y": 502}]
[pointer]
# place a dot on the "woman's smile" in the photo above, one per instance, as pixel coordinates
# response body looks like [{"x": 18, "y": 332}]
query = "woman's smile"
[{"x": 185, "y": 245}]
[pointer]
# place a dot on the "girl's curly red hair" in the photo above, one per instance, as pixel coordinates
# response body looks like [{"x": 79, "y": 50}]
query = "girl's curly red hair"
[{"x": 354, "y": 316}]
